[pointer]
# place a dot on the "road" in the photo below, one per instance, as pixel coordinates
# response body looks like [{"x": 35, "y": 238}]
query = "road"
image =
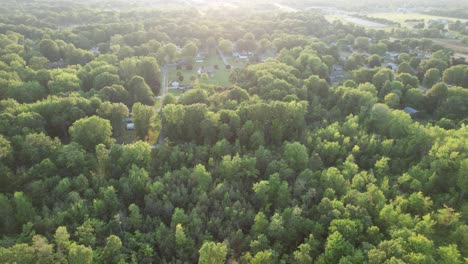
[
  {"x": 163, "y": 93},
  {"x": 164, "y": 81}
]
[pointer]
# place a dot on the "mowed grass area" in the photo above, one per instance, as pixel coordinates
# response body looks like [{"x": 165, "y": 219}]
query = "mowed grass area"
[
  {"x": 237, "y": 63},
  {"x": 398, "y": 17},
  {"x": 175, "y": 92},
  {"x": 219, "y": 76},
  {"x": 461, "y": 49},
  {"x": 402, "y": 17},
  {"x": 348, "y": 19},
  {"x": 128, "y": 137}
]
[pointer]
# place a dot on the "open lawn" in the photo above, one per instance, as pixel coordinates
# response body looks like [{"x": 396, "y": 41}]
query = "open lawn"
[
  {"x": 392, "y": 16},
  {"x": 157, "y": 103},
  {"x": 219, "y": 76},
  {"x": 237, "y": 63},
  {"x": 365, "y": 22},
  {"x": 175, "y": 92},
  {"x": 128, "y": 137}
]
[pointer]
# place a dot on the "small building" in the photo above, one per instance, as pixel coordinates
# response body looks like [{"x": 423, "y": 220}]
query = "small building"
[
  {"x": 200, "y": 58},
  {"x": 412, "y": 112},
  {"x": 175, "y": 85},
  {"x": 181, "y": 63},
  {"x": 337, "y": 67},
  {"x": 207, "y": 70},
  {"x": 130, "y": 126},
  {"x": 392, "y": 66},
  {"x": 393, "y": 55},
  {"x": 95, "y": 50},
  {"x": 438, "y": 21}
]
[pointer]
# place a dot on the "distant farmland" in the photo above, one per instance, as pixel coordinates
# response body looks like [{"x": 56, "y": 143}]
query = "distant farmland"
[{"x": 461, "y": 49}]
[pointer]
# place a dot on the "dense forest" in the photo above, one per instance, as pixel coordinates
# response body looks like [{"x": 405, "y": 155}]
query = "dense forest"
[{"x": 332, "y": 143}]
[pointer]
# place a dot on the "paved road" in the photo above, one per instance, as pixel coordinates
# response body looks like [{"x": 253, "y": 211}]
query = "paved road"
[
  {"x": 163, "y": 93},
  {"x": 164, "y": 81}
]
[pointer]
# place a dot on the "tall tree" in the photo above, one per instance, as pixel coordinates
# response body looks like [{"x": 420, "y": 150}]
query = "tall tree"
[
  {"x": 143, "y": 117},
  {"x": 212, "y": 253},
  {"x": 91, "y": 131},
  {"x": 140, "y": 91}
]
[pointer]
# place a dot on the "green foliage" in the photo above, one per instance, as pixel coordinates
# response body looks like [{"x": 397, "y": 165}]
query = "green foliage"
[
  {"x": 143, "y": 116},
  {"x": 112, "y": 250},
  {"x": 296, "y": 156},
  {"x": 115, "y": 113},
  {"x": 49, "y": 49},
  {"x": 212, "y": 253},
  {"x": 92, "y": 131},
  {"x": 284, "y": 166},
  {"x": 139, "y": 91},
  {"x": 79, "y": 254}
]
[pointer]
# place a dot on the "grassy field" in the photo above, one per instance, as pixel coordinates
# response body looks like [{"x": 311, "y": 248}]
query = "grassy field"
[
  {"x": 347, "y": 19},
  {"x": 237, "y": 63},
  {"x": 220, "y": 76},
  {"x": 128, "y": 137},
  {"x": 175, "y": 92},
  {"x": 392, "y": 16},
  {"x": 461, "y": 49},
  {"x": 157, "y": 103},
  {"x": 402, "y": 17}
]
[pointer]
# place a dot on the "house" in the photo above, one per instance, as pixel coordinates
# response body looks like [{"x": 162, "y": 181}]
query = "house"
[
  {"x": 175, "y": 85},
  {"x": 265, "y": 58},
  {"x": 130, "y": 126},
  {"x": 57, "y": 64},
  {"x": 412, "y": 112},
  {"x": 392, "y": 66},
  {"x": 438, "y": 21},
  {"x": 393, "y": 54},
  {"x": 95, "y": 50},
  {"x": 207, "y": 70},
  {"x": 181, "y": 62},
  {"x": 200, "y": 57},
  {"x": 337, "y": 68}
]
